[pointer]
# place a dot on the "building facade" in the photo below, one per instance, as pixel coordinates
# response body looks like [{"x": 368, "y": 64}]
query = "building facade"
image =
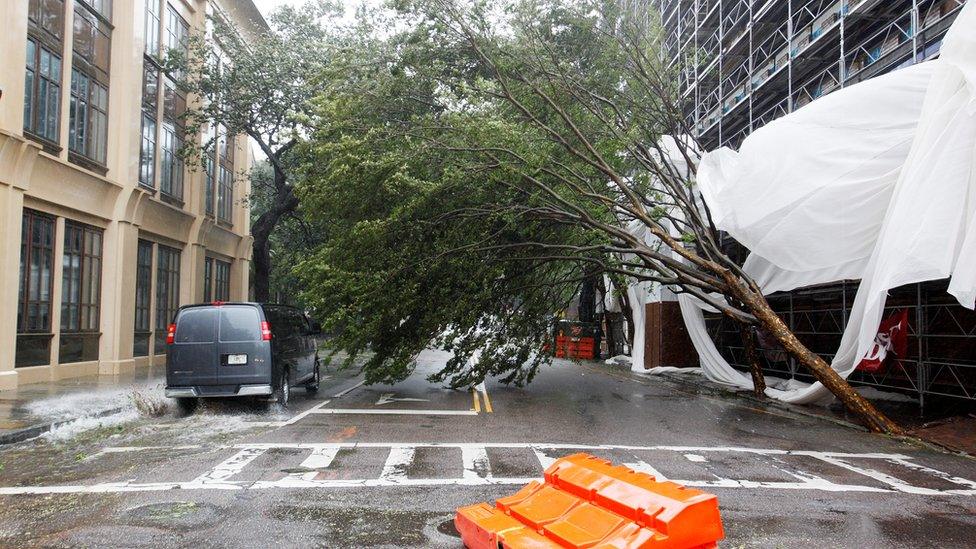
[
  {"x": 106, "y": 229},
  {"x": 743, "y": 63}
]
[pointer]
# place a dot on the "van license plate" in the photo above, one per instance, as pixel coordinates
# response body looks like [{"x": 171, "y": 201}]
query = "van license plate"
[{"x": 236, "y": 359}]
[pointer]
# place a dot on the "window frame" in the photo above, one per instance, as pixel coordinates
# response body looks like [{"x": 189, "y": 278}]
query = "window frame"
[
  {"x": 225, "y": 180},
  {"x": 143, "y": 302},
  {"x": 42, "y": 335},
  {"x": 221, "y": 280},
  {"x": 172, "y": 169},
  {"x": 90, "y": 256},
  {"x": 28, "y": 249},
  {"x": 44, "y": 40},
  {"x": 167, "y": 292},
  {"x": 89, "y": 112},
  {"x": 149, "y": 138},
  {"x": 208, "y": 279}
]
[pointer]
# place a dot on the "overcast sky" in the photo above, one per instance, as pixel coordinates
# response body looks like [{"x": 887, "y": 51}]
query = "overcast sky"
[{"x": 266, "y": 6}]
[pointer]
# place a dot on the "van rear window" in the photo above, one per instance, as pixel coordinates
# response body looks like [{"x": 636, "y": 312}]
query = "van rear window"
[
  {"x": 239, "y": 323},
  {"x": 196, "y": 326}
]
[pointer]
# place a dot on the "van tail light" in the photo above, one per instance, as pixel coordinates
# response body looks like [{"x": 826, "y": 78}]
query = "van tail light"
[
  {"x": 171, "y": 334},
  {"x": 265, "y": 330}
]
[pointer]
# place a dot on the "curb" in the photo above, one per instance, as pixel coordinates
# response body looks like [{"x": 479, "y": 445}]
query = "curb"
[{"x": 34, "y": 431}]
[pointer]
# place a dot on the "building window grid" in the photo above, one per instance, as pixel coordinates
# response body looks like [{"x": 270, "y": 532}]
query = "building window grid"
[
  {"x": 143, "y": 299},
  {"x": 150, "y": 107},
  {"x": 168, "y": 143},
  {"x": 172, "y": 167},
  {"x": 152, "y": 28},
  {"x": 209, "y": 171},
  {"x": 81, "y": 278},
  {"x": 36, "y": 273},
  {"x": 208, "y": 279},
  {"x": 42, "y": 86},
  {"x": 81, "y": 290},
  {"x": 225, "y": 181},
  {"x": 34, "y": 305},
  {"x": 167, "y": 292},
  {"x": 177, "y": 32},
  {"x": 88, "y": 117},
  {"x": 221, "y": 280}
]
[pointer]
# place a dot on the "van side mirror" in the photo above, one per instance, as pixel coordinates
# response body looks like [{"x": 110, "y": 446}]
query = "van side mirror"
[{"x": 316, "y": 329}]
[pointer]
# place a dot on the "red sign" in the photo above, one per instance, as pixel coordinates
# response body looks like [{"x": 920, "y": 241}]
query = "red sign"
[{"x": 892, "y": 339}]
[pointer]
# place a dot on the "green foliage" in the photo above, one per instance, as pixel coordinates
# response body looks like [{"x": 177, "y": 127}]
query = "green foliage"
[{"x": 446, "y": 215}]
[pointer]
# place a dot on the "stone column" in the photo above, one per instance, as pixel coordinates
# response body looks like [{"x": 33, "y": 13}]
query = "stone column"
[
  {"x": 119, "y": 249},
  {"x": 191, "y": 273}
]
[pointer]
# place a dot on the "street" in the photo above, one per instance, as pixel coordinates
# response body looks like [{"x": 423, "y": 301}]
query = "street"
[{"x": 385, "y": 466}]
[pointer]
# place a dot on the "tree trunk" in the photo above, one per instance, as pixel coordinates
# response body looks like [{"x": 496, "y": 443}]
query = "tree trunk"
[
  {"x": 262, "y": 265},
  {"x": 860, "y": 406},
  {"x": 284, "y": 202},
  {"x": 752, "y": 355}
]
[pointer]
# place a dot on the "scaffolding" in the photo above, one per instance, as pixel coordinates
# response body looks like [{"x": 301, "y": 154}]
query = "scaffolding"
[{"x": 744, "y": 63}]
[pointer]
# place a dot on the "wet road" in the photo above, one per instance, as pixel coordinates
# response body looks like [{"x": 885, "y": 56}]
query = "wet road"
[{"x": 385, "y": 466}]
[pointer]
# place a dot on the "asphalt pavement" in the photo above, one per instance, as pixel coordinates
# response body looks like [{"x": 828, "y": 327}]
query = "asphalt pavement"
[{"x": 385, "y": 466}]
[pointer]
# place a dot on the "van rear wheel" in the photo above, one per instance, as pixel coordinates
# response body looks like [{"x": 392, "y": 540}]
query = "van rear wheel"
[
  {"x": 186, "y": 405},
  {"x": 282, "y": 392}
]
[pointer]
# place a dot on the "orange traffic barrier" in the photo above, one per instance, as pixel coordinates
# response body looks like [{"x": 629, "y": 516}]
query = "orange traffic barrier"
[{"x": 585, "y": 501}]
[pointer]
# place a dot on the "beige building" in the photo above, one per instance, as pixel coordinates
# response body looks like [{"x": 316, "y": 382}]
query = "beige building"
[{"x": 104, "y": 230}]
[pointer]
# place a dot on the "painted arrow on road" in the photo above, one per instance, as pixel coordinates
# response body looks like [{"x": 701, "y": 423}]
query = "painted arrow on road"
[{"x": 391, "y": 397}]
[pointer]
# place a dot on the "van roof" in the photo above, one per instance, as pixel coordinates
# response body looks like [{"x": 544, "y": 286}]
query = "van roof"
[{"x": 249, "y": 303}]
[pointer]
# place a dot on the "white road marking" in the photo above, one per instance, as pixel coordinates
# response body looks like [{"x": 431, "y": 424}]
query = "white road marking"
[
  {"x": 883, "y": 478},
  {"x": 395, "y": 468},
  {"x": 229, "y": 467},
  {"x": 695, "y": 458},
  {"x": 477, "y": 469},
  {"x": 475, "y": 462},
  {"x": 305, "y": 414},
  {"x": 343, "y": 393},
  {"x": 387, "y": 411},
  {"x": 644, "y": 467},
  {"x": 320, "y": 458},
  {"x": 544, "y": 460},
  {"x": 387, "y": 398}
]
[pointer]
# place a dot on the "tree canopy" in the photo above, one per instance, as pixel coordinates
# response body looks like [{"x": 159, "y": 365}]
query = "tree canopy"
[{"x": 475, "y": 161}]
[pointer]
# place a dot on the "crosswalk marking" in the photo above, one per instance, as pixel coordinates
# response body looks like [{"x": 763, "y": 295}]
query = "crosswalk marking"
[
  {"x": 229, "y": 467},
  {"x": 477, "y": 469},
  {"x": 392, "y": 412},
  {"x": 395, "y": 468},
  {"x": 474, "y": 460}
]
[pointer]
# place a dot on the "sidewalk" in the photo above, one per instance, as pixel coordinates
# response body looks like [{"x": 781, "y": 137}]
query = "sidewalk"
[{"x": 32, "y": 410}]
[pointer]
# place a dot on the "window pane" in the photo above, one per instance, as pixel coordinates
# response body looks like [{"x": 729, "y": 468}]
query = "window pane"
[
  {"x": 78, "y": 348},
  {"x": 84, "y": 35},
  {"x": 152, "y": 27},
  {"x": 33, "y": 350},
  {"x": 196, "y": 326},
  {"x": 239, "y": 323},
  {"x": 150, "y": 88},
  {"x": 147, "y": 155}
]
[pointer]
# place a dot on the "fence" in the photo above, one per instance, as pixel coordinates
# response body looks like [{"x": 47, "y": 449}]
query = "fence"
[{"x": 942, "y": 339}]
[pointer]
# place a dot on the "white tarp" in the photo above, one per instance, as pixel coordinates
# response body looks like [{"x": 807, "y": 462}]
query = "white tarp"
[{"x": 873, "y": 182}]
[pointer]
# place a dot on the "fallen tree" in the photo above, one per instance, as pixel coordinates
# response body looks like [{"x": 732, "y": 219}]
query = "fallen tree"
[{"x": 536, "y": 135}]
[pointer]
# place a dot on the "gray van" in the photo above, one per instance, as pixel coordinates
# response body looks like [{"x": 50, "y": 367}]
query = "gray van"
[{"x": 238, "y": 350}]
